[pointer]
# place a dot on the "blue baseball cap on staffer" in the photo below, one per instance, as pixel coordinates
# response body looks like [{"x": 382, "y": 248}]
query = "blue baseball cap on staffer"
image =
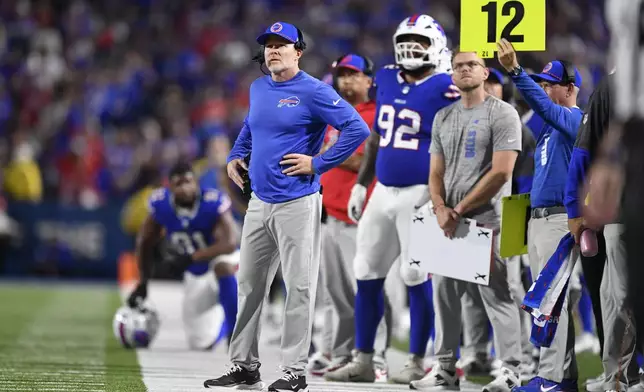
[
  {"x": 280, "y": 29},
  {"x": 354, "y": 62},
  {"x": 555, "y": 72}
]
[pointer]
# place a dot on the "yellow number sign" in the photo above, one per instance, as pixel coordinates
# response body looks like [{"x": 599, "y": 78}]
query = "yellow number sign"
[{"x": 485, "y": 22}]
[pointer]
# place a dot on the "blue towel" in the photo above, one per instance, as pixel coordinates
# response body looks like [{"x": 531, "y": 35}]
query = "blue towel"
[{"x": 546, "y": 296}]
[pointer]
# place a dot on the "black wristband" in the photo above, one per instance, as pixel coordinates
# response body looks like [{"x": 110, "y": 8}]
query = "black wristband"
[{"x": 516, "y": 71}]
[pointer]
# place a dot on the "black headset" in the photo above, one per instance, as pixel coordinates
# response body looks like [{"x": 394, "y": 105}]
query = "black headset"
[
  {"x": 568, "y": 76},
  {"x": 300, "y": 44}
]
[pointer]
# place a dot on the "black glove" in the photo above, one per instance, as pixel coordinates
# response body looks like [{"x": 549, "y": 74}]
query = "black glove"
[
  {"x": 177, "y": 260},
  {"x": 137, "y": 296}
]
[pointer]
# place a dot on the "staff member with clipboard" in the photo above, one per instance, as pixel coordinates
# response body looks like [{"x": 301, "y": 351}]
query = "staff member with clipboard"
[{"x": 475, "y": 143}]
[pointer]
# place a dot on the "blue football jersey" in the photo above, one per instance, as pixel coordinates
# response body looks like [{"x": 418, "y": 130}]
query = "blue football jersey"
[
  {"x": 404, "y": 116},
  {"x": 189, "y": 230}
]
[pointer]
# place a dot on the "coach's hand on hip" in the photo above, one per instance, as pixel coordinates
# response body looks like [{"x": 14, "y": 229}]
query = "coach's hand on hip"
[
  {"x": 300, "y": 164},
  {"x": 233, "y": 171},
  {"x": 507, "y": 55}
]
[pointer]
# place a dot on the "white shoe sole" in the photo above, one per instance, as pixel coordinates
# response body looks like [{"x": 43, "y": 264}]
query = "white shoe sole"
[
  {"x": 436, "y": 388},
  {"x": 255, "y": 387}
]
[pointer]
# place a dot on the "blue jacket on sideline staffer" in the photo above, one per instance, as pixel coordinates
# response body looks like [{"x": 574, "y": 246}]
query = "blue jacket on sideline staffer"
[{"x": 555, "y": 140}]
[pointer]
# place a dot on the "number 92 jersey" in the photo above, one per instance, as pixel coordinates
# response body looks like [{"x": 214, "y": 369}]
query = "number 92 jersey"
[
  {"x": 189, "y": 230},
  {"x": 404, "y": 116}
]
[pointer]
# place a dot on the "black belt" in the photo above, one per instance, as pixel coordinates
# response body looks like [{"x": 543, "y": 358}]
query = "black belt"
[{"x": 544, "y": 212}]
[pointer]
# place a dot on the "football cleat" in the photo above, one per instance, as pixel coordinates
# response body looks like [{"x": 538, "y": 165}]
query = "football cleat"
[
  {"x": 437, "y": 380},
  {"x": 237, "y": 376},
  {"x": 360, "y": 369},
  {"x": 504, "y": 382},
  {"x": 412, "y": 371},
  {"x": 539, "y": 384},
  {"x": 289, "y": 382}
]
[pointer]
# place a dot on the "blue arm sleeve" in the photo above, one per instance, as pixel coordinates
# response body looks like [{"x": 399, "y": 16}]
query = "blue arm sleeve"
[
  {"x": 242, "y": 146},
  {"x": 329, "y": 108},
  {"x": 576, "y": 174},
  {"x": 559, "y": 117}
]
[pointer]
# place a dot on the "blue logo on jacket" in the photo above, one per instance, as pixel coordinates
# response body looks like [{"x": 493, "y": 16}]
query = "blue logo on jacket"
[{"x": 289, "y": 102}]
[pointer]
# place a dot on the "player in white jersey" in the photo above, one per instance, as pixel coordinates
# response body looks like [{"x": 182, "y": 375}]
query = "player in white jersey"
[{"x": 397, "y": 153}]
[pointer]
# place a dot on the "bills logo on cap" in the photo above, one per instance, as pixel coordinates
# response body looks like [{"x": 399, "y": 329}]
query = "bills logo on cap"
[
  {"x": 276, "y": 27},
  {"x": 289, "y": 102},
  {"x": 346, "y": 59},
  {"x": 547, "y": 68}
]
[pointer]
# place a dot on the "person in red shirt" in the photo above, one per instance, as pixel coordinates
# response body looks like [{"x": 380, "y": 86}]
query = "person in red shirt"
[{"x": 352, "y": 78}]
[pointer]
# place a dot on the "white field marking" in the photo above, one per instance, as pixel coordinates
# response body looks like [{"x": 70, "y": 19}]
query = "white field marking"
[{"x": 168, "y": 365}]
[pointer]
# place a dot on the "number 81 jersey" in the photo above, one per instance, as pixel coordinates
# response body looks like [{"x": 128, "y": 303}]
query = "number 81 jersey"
[
  {"x": 189, "y": 230},
  {"x": 404, "y": 116}
]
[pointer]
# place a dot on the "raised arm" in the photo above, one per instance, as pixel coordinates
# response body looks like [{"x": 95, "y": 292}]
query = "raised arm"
[{"x": 559, "y": 117}]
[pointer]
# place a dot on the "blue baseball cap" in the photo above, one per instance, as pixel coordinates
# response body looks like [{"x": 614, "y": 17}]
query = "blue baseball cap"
[
  {"x": 495, "y": 75},
  {"x": 554, "y": 72},
  {"x": 354, "y": 62},
  {"x": 281, "y": 29}
]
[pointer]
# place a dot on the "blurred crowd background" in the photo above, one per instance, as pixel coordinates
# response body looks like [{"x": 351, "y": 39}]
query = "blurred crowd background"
[{"x": 99, "y": 98}]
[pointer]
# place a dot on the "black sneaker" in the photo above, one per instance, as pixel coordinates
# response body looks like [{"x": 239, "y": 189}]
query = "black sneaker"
[
  {"x": 289, "y": 382},
  {"x": 237, "y": 375}
]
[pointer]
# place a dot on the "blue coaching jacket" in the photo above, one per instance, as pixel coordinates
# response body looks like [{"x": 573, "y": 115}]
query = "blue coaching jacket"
[
  {"x": 291, "y": 117},
  {"x": 555, "y": 141}
]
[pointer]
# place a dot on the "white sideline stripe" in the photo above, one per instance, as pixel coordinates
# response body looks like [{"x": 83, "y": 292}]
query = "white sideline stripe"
[{"x": 168, "y": 366}]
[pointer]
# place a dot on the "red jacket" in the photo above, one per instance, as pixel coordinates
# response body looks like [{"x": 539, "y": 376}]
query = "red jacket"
[{"x": 337, "y": 182}]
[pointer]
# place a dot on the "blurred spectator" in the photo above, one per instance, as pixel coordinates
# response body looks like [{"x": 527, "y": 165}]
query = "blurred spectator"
[
  {"x": 100, "y": 93},
  {"x": 22, "y": 177}
]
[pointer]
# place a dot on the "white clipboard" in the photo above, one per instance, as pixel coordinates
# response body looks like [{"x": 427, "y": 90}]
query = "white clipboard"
[{"x": 467, "y": 257}]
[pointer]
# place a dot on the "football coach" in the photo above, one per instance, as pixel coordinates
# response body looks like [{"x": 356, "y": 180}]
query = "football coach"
[{"x": 283, "y": 134}]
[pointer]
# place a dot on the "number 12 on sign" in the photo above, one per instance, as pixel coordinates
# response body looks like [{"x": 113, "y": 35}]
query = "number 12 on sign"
[{"x": 485, "y": 22}]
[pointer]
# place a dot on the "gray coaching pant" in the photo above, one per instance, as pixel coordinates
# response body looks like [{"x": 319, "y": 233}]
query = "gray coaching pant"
[
  {"x": 618, "y": 319},
  {"x": 499, "y": 305},
  {"x": 475, "y": 327},
  {"x": 338, "y": 252},
  {"x": 290, "y": 230},
  {"x": 557, "y": 361}
]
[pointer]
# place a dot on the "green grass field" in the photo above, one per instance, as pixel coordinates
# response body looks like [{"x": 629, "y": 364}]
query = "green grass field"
[{"x": 59, "y": 338}]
